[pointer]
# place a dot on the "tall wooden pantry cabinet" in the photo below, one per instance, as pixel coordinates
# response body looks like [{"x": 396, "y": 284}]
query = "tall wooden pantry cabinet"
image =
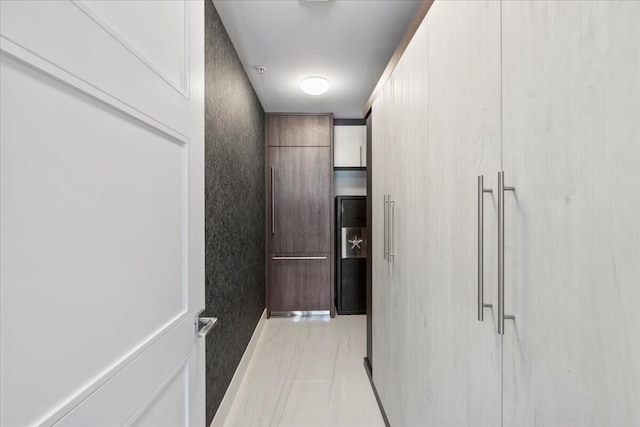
[
  {"x": 299, "y": 156},
  {"x": 505, "y": 205}
]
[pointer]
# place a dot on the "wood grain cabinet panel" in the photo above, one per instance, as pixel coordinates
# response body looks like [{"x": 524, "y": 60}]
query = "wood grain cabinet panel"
[
  {"x": 559, "y": 115},
  {"x": 301, "y": 198},
  {"x": 300, "y": 284},
  {"x": 299, "y": 130},
  {"x": 299, "y": 173},
  {"x": 572, "y": 236},
  {"x": 428, "y": 145}
]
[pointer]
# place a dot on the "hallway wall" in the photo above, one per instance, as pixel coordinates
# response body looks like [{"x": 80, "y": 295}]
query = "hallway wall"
[{"x": 234, "y": 207}]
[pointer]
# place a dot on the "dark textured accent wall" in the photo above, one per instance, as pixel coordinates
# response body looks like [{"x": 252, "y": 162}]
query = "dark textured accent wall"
[{"x": 234, "y": 208}]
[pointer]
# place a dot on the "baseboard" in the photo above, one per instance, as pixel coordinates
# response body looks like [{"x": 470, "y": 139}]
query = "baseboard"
[
  {"x": 367, "y": 367},
  {"x": 223, "y": 410}
]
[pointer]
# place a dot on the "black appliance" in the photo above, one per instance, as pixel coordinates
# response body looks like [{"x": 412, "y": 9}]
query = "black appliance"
[{"x": 351, "y": 254}]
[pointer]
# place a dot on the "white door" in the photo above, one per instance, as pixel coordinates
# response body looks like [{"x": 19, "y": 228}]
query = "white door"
[
  {"x": 101, "y": 245},
  {"x": 572, "y": 232}
]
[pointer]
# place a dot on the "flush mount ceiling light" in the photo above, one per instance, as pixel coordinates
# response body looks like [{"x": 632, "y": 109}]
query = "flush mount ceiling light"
[{"x": 314, "y": 85}]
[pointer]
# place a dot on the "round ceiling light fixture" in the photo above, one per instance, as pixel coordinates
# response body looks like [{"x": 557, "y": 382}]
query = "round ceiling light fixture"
[{"x": 314, "y": 85}]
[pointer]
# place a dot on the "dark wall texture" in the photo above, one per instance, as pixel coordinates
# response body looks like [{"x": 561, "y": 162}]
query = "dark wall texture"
[{"x": 234, "y": 207}]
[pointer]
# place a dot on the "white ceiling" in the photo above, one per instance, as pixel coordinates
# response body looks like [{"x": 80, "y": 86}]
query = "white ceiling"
[{"x": 349, "y": 42}]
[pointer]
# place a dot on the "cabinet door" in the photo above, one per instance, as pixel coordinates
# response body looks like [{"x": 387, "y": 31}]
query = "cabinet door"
[
  {"x": 299, "y": 130},
  {"x": 349, "y": 146},
  {"x": 462, "y": 357},
  {"x": 300, "y": 196},
  {"x": 363, "y": 150},
  {"x": 383, "y": 304},
  {"x": 300, "y": 284},
  {"x": 436, "y": 127},
  {"x": 406, "y": 156},
  {"x": 572, "y": 235}
]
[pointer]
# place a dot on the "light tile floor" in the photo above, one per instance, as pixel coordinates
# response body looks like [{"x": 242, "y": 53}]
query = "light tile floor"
[{"x": 307, "y": 372}]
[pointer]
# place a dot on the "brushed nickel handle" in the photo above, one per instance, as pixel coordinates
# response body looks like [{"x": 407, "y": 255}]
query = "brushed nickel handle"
[
  {"x": 296, "y": 258},
  {"x": 273, "y": 209},
  {"x": 392, "y": 227},
  {"x": 386, "y": 226},
  {"x": 481, "y": 192},
  {"x": 501, "y": 316},
  {"x": 208, "y": 322}
]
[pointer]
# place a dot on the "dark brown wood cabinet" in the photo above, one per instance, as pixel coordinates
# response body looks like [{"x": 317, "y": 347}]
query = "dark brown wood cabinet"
[
  {"x": 295, "y": 130},
  {"x": 300, "y": 284},
  {"x": 299, "y": 156},
  {"x": 300, "y": 186}
]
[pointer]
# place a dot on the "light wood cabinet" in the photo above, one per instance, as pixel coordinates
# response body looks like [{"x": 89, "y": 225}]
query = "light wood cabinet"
[
  {"x": 463, "y": 72},
  {"x": 571, "y": 149},
  {"x": 433, "y": 362},
  {"x": 298, "y": 180},
  {"x": 549, "y": 92},
  {"x": 384, "y": 319}
]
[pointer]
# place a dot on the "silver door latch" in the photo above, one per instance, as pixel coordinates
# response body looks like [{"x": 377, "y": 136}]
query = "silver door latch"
[{"x": 208, "y": 322}]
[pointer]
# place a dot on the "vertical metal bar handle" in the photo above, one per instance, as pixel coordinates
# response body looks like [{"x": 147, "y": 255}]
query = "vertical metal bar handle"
[
  {"x": 501, "y": 315},
  {"x": 386, "y": 226},
  {"x": 273, "y": 209},
  {"x": 361, "y": 155},
  {"x": 392, "y": 227},
  {"x": 481, "y": 191}
]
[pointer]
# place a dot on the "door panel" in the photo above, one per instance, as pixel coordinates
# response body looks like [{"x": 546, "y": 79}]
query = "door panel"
[
  {"x": 349, "y": 146},
  {"x": 111, "y": 61},
  {"x": 160, "y": 43},
  {"x": 382, "y": 301},
  {"x": 572, "y": 258},
  {"x": 437, "y": 126},
  {"x": 101, "y": 215},
  {"x": 133, "y": 403},
  {"x": 463, "y": 355},
  {"x": 169, "y": 407},
  {"x": 399, "y": 148},
  {"x": 81, "y": 198},
  {"x": 296, "y": 130},
  {"x": 406, "y": 222},
  {"x": 300, "y": 284},
  {"x": 300, "y": 190}
]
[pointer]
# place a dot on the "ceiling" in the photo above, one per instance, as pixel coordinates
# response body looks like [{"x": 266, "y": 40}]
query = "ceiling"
[{"x": 349, "y": 42}]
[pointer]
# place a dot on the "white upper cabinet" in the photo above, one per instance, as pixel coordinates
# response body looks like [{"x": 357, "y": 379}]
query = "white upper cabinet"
[{"x": 350, "y": 144}]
